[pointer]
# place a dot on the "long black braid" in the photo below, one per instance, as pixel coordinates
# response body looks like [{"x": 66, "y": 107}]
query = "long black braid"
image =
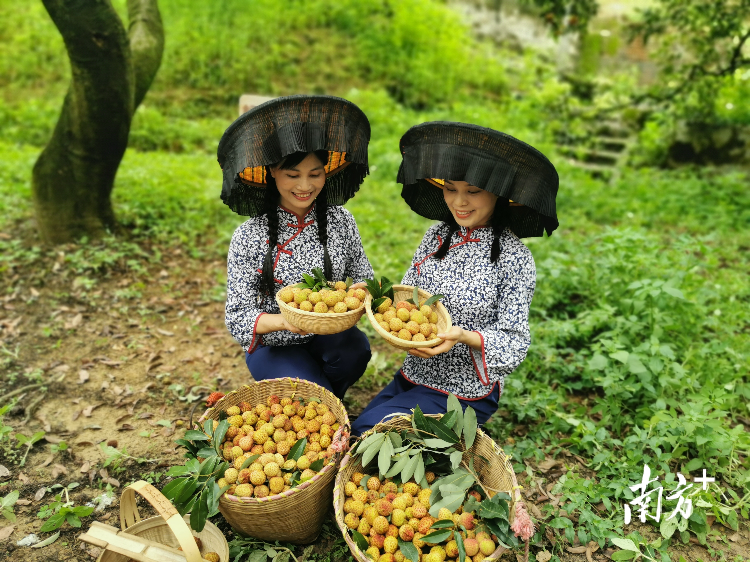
[
  {"x": 268, "y": 285},
  {"x": 499, "y": 222}
]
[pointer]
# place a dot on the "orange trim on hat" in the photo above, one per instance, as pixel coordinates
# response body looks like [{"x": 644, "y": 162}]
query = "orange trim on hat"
[
  {"x": 256, "y": 176},
  {"x": 441, "y": 183}
]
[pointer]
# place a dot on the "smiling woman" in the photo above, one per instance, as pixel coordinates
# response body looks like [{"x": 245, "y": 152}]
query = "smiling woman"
[{"x": 290, "y": 164}]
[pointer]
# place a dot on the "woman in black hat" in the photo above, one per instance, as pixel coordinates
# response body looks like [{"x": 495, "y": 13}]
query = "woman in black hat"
[
  {"x": 290, "y": 164},
  {"x": 488, "y": 190}
]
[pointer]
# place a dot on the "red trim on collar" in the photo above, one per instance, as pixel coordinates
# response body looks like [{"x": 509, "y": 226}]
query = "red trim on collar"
[
  {"x": 299, "y": 218},
  {"x": 300, "y": 226},
  {"x": 465, "y": 239},
  {"x": 492, "y": 388}
]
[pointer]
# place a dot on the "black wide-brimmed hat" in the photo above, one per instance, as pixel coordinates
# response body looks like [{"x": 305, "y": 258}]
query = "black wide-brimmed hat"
[
  {"x": 268, "y": 133},
  {"x": 499, "y": 163}
]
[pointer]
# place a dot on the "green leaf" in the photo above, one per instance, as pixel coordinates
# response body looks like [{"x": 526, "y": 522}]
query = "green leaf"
[
  {"x": 470, "y": 427},
  {"x": 360, "y": 540},
  {"x": 83, "y": 510},
  {"x": 372, "y": 450},
  {"x": 419, "y": 470},
  {"x": 437, "y": 443},
  {"x": 461, "y": 549},
  {"x": 419, "y": 421},
  {"x": 384, "y": 456},
  {"x": 621, "y": 356},
  {"x": 206, "y": 452},
  {"x": 399, "y": 465},
  {"x": 442, "y": 431},
  {"x": 560, "y": 522},
  {"x": 208, "y": 427},
  {"x": 194, "y": 435},
  {"x": 625, "y": 544},
  {"x": 72, "y": 519},
  {"x": 173, "y": 488},
  {"x": 297, "y": 449},
  {"x": 456, "y": 457},
  {"x": 623, "y": 555},
  {"x": 10, "y": 499},
  {"x": 443, "y": 524},
  {"x": 219, "y": 433},
  {"x": 199, "y": 514},
  {"x": 409, "y": 551},
  {"x": 455, "y": 406},
  {"x": 437, "y": 537},
  {"x": 668, "y": 527},
  {"x": 317, "y": 465},
  {"x": 308, "y": 279},
  {"x": 449, "y": 419},
  {"x": 490, "y": 509},
  {"x": 249, "y": 460},
  {"x": 451, "y": 502},
  {"x": 53, "y": 522},
  {"x": 395, "y": 440},
  {"x": 433, "y": 299},
  {"x": 187, "y": 490},
  {"x": 409, "y": 469},
  {"x": 377, "y": 302},
  {"x": 363, "y": 444}
]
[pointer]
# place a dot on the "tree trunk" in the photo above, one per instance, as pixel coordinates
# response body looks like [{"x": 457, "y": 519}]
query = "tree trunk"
[{"x": 73, "y": 178}]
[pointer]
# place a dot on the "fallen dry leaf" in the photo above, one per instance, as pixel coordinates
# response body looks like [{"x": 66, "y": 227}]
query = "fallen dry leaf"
[
  {"x": 84, "y": 444},
  {"x": 48, "y": 461},
  {"x": 122, "y": 419},
  {"x": 548, "y": 464},
  {"x": 126, "y": 427},
  {"x": 104, "y": 473},
  {"x": 114, "y": 481},
  {"x": 40, "y": 493},
  {"x": 23, "y": 478},
  {"x": 4, "y": 472},
  {"x": 87, "y": 411},
  {"x": 86, "y": 467},
  {"x": 165, "y": 332},
  {"x": 5, "y": 532},
  {"x": 74, "y": 322},
  {"x": 83, "y": 376},
  {"x": 543, "y": 556},
  {"x": 58, "y": 469},
  {"x": 53, "y": 438},
  {"x": 576, "y": 549},
  {"x": 23, "y": 502}
]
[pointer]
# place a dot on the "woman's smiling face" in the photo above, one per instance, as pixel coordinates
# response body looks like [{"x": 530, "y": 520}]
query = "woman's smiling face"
[
  {"x": 469, "y": 205},
  {"x": 301, "y": 184}
]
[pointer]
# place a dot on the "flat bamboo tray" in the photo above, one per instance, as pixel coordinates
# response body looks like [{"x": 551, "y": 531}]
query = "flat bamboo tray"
[
  {"x": 296, "y": 515},
  {"x": 496, "y": 475},
  {"x": 401, "y": 293},
  {"x": 316, "y": 323},
  {"x": 156, "y": 538}
]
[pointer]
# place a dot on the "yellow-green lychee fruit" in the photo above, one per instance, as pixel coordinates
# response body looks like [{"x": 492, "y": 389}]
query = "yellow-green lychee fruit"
[
  {"x": 276, "y": 484},
  {"x": 222, "y": 483},
  {"x": 364, "y": 527},
  {"x": 406, "y": 533},
  {"x": 445, "y": 513},
  {"x": 235, "y": 421},
  {"x": 411, "y": 488},
  {"x": 471, "y": 546},
  {"x": 370, "y": 513},
  {"x": 395, "y": 324},
  {"x": 306, "y": 475},
  {"x": 260, "y": 437},
  {"x": 303, "y": 463},
  {"x": 418, "y": 337},
  {"x": 340, "y": 308},
  {"x": 306, "y": 306},
  {"x": 257, "y": 477},
  {"x": 467, "y": 520},
  {"x": 398, "y": 517},
  {"x": 404, "y": 334},
  {"x": 412, "y": 327},
  {"x": 417, "y": 316},
  {"x": 400, "y": 503},
  {"x": 438, "y": 551},
  {"x": 211, "y": 557},
  {"x": 373, "y": 553},
  {"x": 357, "y": 507},
  {"x": 451, "y": 549},
  {"x": 331, "y": 299},
  {"x": 385, "y": 305},
  {"x": 350, "y": 488},
  {"x": 425, "y": 330},
  {"x": 231, "y": 475},
  {"x": 373, "y": 483},
  {"x": 321, "y": 308},
  {"x": 271, "y": 469},
  {"x": 403, "y": 315},
  {"x": 417, "y": 540},
  {"x": 430, "y": 477},
  {"x": 418, "y": 510},
  {"x": 243, "y": 491},
  {"x": 386, "y": 557},
  {"x": 424, "y": 524},
  {"x": 486, "y": 546},
  {"x": 261, "y": 491},
  {"x": 390, "y": 544},
  {"x": 380, "y": 525},
  {"x": 233, "y": 411},
  {"x": 389, "y": 315},
  {"x": 351, "y": 520},
  {"x": 398, "y": 556},
  {"x": 286, "y": 295},
  {"x": 424, "y": 497},
  {"x": 352, "y": 303},
  {"x": 300, "y": 297}
]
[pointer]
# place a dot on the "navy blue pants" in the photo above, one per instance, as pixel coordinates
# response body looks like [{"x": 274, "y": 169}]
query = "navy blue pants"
[
  {"x": 400, "y": 396},
  {"x": 334, "y": 362}
]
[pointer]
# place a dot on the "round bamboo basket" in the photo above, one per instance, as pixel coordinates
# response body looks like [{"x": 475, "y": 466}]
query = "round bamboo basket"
[
  {"x": 316, "y": 323},
  {"x": 296, "y": 515},
  {"x": 401, "y": 293},
  {"x": 496, "y": 475},
  {"x": 167, "y": 528}
]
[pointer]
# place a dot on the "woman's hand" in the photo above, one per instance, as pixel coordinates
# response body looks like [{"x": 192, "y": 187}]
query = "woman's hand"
[
  {"x": 451, "y": 338},
  {"x": 275, "y": 323}
]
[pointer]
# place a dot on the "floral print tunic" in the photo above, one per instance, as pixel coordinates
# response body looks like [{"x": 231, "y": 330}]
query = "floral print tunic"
[
  {"x": 491, "y": 299},
  {"x": 298, "y": 251}
]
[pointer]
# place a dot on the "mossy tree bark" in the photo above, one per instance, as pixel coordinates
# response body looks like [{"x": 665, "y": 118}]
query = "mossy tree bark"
[{"x": 111, "y": 70}]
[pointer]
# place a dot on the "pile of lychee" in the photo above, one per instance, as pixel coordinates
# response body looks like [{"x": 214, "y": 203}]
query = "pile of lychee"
[
  {"x": 383, "y": 511},
  {"x": 271, "y": 430},
  {"x": 324, "y": 301},
  {"x": 407, "y": 321}
]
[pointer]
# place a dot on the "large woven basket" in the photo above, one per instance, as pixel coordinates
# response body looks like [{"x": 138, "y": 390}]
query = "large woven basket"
[
  {"x": 496, "y": 475},
  {"x": 167, "y": 528},
  {"x": 316, "y": 323},
  {"x": 296, "y": 515},
  {"x": 401, "y": 293}
]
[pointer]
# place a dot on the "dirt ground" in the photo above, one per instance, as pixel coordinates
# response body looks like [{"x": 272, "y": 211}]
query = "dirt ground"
[{"x": 124, "y": 359}]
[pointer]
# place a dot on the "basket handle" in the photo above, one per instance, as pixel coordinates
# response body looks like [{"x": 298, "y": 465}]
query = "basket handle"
[{"x": 129, "y": 516}]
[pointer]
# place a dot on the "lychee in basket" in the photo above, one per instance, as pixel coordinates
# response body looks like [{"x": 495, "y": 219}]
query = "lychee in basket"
[
  {"x": 402, "y": 293},
  {"x": 490, "y": 464},
  {"x": 296, "y": 515}
]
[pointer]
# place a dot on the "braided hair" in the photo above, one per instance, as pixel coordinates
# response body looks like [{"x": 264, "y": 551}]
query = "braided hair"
[
  {"x": 267, "y": 282},
  {"x": 499, "y": 221}
]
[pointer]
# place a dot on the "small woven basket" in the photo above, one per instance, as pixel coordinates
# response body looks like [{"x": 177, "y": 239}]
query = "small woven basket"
[
  {"x": 296, "y": 515},
  {"x": 401, "y": 293},
  {"x": 167, "y": 528},
  {"x": 317, "y": 323},
  {"x": 496, "y": 475}
]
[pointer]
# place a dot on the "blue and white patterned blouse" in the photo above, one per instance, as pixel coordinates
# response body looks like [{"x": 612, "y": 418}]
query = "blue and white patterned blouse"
[
  {"x": 491, "y": 299},
  {"x": 299, "y": 251}
]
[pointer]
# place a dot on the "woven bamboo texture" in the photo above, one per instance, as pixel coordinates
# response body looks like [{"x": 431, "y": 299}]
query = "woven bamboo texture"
[
  {"x": 296, "y": 515},
  {"x": 317, "y": 323},
  {"x": 168, "y": 528},
  {"x": 401, "y": 293},
  {"x": 496, "y": 475}
]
